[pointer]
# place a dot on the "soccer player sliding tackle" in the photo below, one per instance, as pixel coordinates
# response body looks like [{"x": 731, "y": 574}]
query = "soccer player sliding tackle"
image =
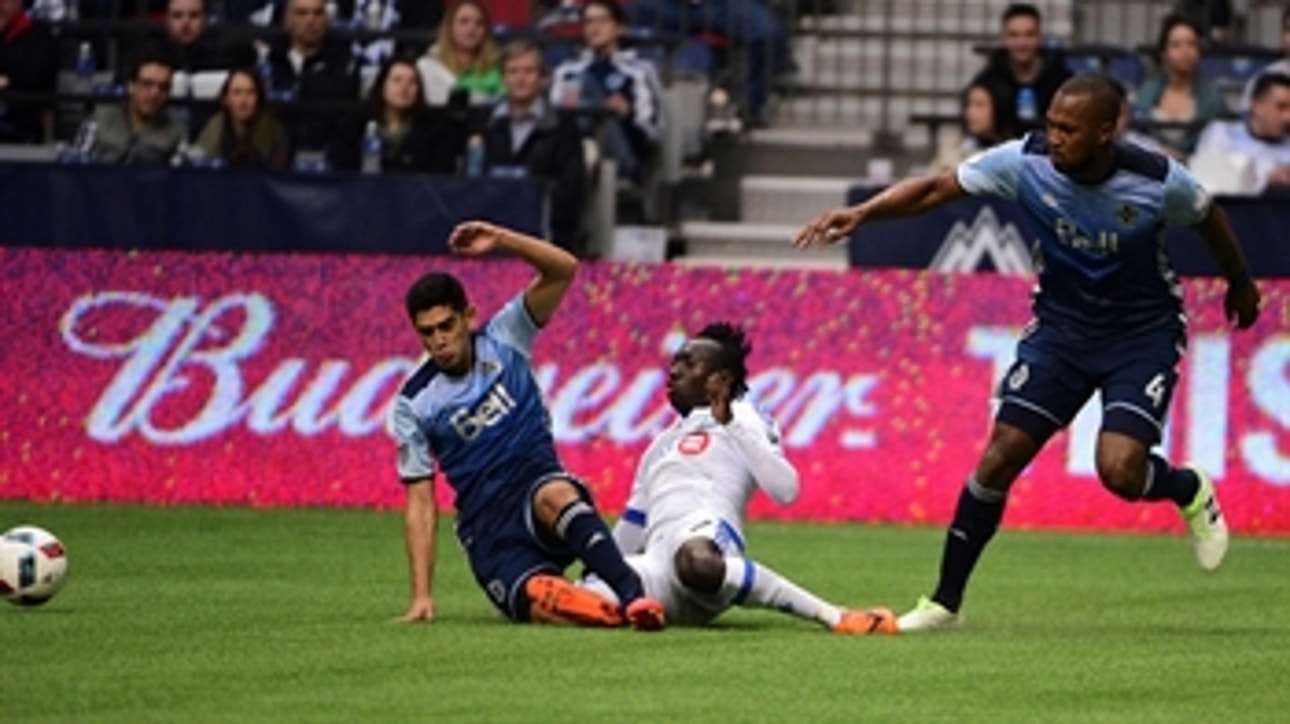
[
  {"x": 474, "y": 410},
  {"x": 683, "y": 525}
]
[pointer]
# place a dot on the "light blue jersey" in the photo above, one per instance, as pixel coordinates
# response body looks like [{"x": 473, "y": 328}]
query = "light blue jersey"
[
  {"x": 1103, "y": 267},
  {"x": 488, "y": 429}
]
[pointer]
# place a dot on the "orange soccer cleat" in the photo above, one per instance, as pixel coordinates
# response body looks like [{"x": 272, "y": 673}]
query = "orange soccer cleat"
[
  {"x": 645, "y": 614},
  {"x": 567, "y": 603},
  {"x": 867, "y": 621}
]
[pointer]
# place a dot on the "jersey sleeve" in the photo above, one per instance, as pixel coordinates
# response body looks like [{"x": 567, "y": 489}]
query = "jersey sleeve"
[
  {"x": 1186, "y": 202},
  {"x": 993, "y": 172},
  {"x": 758, "y": 438},
  {"x": 415, "y": 460},
  {"x": 514, "y": 326}
]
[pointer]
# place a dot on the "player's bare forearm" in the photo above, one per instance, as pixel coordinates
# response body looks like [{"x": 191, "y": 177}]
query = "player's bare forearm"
[
  {"x": 912, "y": 196},
  {"x": 555, "y": 267},
  {"x": 420, "y": 520},
  {"x": 1242, "y": 301},
  {"x": 1221, "y": 241},
  {"x": 906, "y": 198}
]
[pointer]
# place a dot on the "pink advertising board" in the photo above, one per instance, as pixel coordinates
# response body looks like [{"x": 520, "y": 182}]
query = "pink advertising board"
[{"x": 264, "y": 380}]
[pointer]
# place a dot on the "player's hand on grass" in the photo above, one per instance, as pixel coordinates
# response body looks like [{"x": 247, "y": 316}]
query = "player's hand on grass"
[
  {"x": 1242, "y": 304},
  {"x": 421, "y": 610},
  {"x": 828, "y": 228},
  {"x": 475, "y": 238}
]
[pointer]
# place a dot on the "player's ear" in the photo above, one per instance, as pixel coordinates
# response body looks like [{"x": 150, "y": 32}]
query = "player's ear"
[{"x": 469, "y": 314}]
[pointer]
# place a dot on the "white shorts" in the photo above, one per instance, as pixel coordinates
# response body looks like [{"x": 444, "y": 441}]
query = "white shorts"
[{"x": 657, "y": 569}]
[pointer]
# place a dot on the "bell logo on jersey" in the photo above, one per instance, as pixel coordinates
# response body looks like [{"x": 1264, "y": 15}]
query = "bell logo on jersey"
[
  {"x": 693, "y": 443},
  {"x": 469, "y": 424},
  {"x": 1107, "y": 243}
]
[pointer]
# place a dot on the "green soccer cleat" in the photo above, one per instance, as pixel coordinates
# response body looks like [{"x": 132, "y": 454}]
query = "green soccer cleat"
[
  {"x": 1205, "y": 521},
  {"x": 928, "y": 615}
]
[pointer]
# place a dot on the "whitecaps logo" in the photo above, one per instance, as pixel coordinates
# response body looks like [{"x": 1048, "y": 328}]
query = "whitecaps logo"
[{"x": 965, "y": 247}]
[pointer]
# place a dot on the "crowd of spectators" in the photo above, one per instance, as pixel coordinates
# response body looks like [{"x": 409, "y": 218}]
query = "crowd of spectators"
[{"x": 1176, "y": 110}]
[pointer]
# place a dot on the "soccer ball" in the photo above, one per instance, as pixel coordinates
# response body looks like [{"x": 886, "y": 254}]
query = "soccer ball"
[{"x": 33, "y": 565}]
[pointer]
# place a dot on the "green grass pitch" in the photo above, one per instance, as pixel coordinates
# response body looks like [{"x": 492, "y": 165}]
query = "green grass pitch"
[{"x": 202, "y": 614}]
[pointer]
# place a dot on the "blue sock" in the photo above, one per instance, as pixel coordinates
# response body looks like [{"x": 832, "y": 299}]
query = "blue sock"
[
  {"x": 1165, "y": 482},
  {"x": 581, "y": 528},
  {"x": 976, "y": 518}
]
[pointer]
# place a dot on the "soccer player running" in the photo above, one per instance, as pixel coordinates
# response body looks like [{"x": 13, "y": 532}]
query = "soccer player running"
[
  {"x": 474, "y": 410},
  {"x": 683, "y": 524},
  {"x": 1108, "y": 316}
]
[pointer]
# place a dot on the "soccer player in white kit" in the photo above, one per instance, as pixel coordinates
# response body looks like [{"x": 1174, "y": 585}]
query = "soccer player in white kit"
[{"x": 682, "y": 529}]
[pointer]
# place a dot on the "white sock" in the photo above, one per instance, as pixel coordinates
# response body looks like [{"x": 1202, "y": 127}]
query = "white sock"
[{"x": 751, "y": 584}]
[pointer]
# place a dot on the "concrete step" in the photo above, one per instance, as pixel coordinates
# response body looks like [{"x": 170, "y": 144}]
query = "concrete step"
[
  {"x": 921, "y": 18},
  {"x": 754, "y": 244},
  {"x": 862, "y": 113},
  {"x": 846, "y": 64},
  {"x": 786, "y": 200}
]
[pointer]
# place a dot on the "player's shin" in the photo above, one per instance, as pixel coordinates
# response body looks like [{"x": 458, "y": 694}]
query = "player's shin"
[
  {"x": 976, "y": 518},
  {"x": 748, "y": 583},
  {"x": 579, "y": 526}
]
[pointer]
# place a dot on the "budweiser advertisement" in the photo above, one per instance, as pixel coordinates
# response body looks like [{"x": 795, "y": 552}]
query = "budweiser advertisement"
[{"x": 266, "y": 380}]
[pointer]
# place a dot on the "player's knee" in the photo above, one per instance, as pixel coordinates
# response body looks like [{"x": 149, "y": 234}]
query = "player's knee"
[
  {"x": 700, "y": 565},
  {"x": 1122, "y": 475},
  {"x": 1007, "y": 454},
  {"x": 552, "y": 498}
]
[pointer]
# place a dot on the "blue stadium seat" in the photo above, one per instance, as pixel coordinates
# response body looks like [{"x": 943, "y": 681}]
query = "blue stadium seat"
[{"x": 1122, "y": 64}]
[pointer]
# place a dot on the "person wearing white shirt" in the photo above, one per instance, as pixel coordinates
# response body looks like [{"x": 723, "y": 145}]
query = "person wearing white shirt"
[
  {"x": 682, "y": 529},
  {"x": 1263, "y": 136}
]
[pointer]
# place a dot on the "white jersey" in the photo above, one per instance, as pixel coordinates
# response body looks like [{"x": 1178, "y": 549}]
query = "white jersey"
[{"x": 699, "y": 467}]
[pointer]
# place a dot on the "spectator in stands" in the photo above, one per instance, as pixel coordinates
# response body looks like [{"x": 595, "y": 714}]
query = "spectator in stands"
[
  {"x": 750, "y": 25},
  {"x": 412, "y": 137},
  {"x": 987, "y": 108},
  {"x": 463, "y": 56},
  {"x": 312, "y": 65},
  {"x": 28, "y": 62},
  {"x": 1029, "y": 72},
  {"x": 525, "y": 131},
  {"x": 605, "y": 76},
  {"x": 1124, "y": 130},
  {"x": 1281, "y": 66},
  {"x": 244, "y": 134},
  {"x": 141, "y": 131},
  {"x": 1263, "y": 136},
  {"x": 1178, "y": 92}
]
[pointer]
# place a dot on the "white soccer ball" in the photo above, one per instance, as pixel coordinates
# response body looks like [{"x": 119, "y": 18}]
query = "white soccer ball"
[{"x": 33, "y": 565}]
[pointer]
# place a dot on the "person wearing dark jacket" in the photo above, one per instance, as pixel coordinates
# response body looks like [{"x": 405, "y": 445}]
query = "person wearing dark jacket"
[
  {"x": 28, "y": 62},
  {"x": 524, "y": 130},
  {"x": 1023, "y": 68},
  {"x": 413, "y": 138},
  {"x": 312, "y": 66}
]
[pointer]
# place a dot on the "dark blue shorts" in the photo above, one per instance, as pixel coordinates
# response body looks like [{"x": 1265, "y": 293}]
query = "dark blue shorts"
[
  {"x": 505, "y": 546},
  {"x": 1054, "y": 375}
]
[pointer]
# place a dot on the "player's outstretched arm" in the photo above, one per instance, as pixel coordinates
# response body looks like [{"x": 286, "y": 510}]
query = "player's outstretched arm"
[
  {"x": 420, "y": 518},
  {"x": 555, "y": 266},
  {"x": 906, "y": 198},
  {"x": 1242, "y": 300}
]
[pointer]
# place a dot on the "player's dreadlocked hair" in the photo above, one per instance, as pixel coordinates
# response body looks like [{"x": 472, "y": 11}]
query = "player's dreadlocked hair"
[{"x": 735, "y": 349}]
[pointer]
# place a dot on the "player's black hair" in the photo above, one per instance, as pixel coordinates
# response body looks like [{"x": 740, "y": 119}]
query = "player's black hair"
[
  {"x": 1266, "y": 82},
  {"x": 735, "y": 348},
  {"x": 1021, "y": 10},
  {"x": 1102, "y": 90},
  {"x": 436, "y": 289}
]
